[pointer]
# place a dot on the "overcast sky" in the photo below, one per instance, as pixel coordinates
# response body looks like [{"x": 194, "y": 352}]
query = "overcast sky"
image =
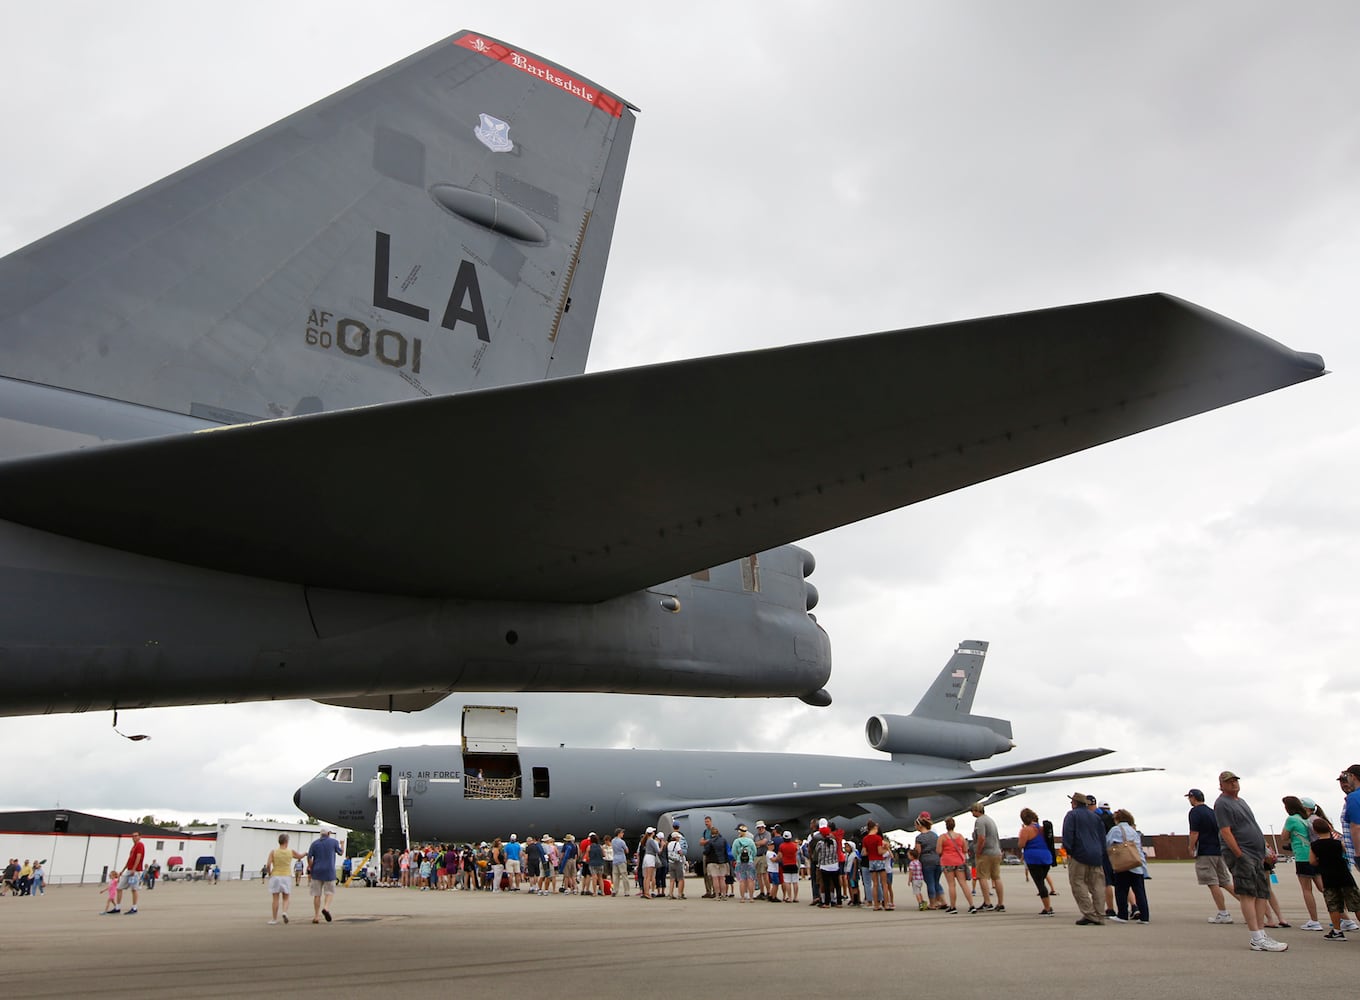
[{"x": 803, "y": 171}]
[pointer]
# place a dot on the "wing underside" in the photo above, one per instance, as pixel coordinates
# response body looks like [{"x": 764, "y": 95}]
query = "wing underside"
[{"x": 583, "y": 488}]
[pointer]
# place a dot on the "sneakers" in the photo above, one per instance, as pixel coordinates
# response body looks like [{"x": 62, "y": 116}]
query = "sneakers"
[
  {"x": 1310, "y": 925},
  {"x": 327, "y": 915},
  {"x": 285, "y": 918},
  {"x": 1334, "y": 936},
  {"x": 1221, "y": 917},
  {"x": 272, "y": 923},
  {"x": 973, "y": 909},
  {"x": 1117, "y": 919},
  {"x": 129, "y": 912},
  {"x": 1348, "y": 924},
  {"x": 1268, "y": 944},
  {"x": 109, "y": 913},
  {"x": 1045, "y": 913},
  {"x": 1000, "y": 909}
]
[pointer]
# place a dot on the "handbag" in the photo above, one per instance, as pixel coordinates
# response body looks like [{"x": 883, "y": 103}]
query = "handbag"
[{"x": 1125, "y": 856}]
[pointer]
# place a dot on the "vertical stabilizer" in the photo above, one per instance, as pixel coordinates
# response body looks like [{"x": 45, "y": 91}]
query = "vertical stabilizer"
[
  {"x": 439, "y": 226},
  {"x": 951, "y": 696},
  {"x": 942, "y": 726}
]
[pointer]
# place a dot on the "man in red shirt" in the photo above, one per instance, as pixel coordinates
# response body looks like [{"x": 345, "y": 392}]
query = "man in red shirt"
[
  {"x": 132, "y": 874},
  {"x": 788, "y": 867}
]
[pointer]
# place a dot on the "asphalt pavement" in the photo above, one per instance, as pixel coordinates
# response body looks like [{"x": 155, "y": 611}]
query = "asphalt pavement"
[{"x": 214, "y": 941}]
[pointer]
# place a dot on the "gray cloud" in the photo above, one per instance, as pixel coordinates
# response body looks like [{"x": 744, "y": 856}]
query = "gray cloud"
[{"x": 1185, "y": 596}]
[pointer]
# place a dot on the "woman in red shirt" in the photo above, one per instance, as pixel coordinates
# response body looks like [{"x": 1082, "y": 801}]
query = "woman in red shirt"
[{"x": 873, "y": 850}]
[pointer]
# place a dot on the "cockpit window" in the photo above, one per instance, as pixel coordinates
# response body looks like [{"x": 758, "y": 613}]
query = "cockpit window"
[{"x": 338, "y": 774}]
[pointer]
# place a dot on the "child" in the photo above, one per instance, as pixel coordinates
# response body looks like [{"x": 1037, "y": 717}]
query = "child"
[
  {"x": 918, "y": 878},
  {"x": 1338, "y": 887},
  {"x": 111, "y": 894},
  {"x": 776, "y": 879}
]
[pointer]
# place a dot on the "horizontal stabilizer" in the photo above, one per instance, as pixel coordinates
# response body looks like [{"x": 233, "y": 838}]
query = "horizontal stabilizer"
[
  {"x": 583, "y": 488},
  {"x": 1045, "y": 764},
  {"x": 976, "y": 785}
]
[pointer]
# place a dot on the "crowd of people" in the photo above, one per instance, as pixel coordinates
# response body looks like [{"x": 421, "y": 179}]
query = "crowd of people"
[
  {"x": 1101, "y": 848},
  {"x": 1107, "y": 866},
  {"x": 27, "y": 879}
]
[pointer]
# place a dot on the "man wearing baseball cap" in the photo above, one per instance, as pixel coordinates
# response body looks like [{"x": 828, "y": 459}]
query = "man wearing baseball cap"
[
  {"x": 1245, "y": 853},
  {"x": 1083, "y": 836},
  {"x": 1349, "y": 780},
  {"x": 1207, "y": 851}
]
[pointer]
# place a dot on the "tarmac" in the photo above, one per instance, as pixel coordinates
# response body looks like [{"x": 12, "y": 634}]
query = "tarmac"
[{"x": 214, "y": 941}]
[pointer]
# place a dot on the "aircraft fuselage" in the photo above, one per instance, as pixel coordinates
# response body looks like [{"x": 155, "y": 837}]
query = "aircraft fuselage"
[{"x": 567, "y": 790}]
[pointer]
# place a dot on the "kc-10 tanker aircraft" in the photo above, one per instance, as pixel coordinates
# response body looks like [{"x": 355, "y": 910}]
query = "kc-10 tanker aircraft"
[
  {"x": 478, "y": 790},
  {"x": 307, "y": 419}
]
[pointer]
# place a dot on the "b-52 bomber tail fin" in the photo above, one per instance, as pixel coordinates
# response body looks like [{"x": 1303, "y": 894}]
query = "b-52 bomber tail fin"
[{"x": 441, "y": 225}]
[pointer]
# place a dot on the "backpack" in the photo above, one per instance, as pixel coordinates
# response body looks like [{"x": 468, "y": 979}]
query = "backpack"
[{"x": 745, "y": 856}]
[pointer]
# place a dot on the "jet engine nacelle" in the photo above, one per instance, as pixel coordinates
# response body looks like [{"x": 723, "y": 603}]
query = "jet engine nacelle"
[{"x": 912, "y": 734}]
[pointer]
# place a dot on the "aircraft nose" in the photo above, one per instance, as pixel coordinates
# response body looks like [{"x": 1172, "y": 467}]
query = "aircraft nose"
[{"x": 297, "y": 800}]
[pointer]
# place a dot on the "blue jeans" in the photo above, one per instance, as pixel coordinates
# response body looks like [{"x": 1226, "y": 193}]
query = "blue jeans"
[{"x": 932, "y": 876}]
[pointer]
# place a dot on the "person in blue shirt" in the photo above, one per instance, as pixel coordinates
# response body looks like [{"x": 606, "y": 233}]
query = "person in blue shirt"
[
  {"x": 1083, "y": 837},
  {"x": 321, "y": 871},
  {"x": 513, "y": 865},
  {"x": 1210, "y": 869}
]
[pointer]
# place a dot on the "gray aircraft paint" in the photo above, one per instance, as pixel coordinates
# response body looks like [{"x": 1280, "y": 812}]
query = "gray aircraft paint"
[
  {"x": 307, "y": 419},
  {"x": 568, "y": 790}
]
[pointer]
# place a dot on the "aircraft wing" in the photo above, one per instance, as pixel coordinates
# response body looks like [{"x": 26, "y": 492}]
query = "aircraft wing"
[
  {"x": 825, "y": 799},
  {"x": 1047, "y": 764},
  {"x": 582, "y": 488}
]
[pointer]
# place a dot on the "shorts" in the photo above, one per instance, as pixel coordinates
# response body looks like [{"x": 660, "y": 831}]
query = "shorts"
[
  {"x": 323, "y": 888},
  {"x": 881, "y": 865},
  {"x": 955, "y": 868},
  {"x": 1250, "y": 877},
  {"x": 715, "y": 870},
  {"x": 130, "y": 880},
  {"x": 1210, "y": 870},
  {"x": 281, "y": 884},
  {"x": 745, "y": 870},
  {"x": 1345, "y": 900},
  {"x": 918, "y": 886},
  {"x": 1304, "y": 869},
  {"x": 512, "y": 866},
  {"x": 989, "y": 866},
  {"x": 762, "y": 865},
  {"x": 649, "y": 861},
  {"x": 789, "y": 874}
]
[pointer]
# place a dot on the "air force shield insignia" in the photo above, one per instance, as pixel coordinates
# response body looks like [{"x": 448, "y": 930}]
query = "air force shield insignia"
[{"x": 494, "y": 134}]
